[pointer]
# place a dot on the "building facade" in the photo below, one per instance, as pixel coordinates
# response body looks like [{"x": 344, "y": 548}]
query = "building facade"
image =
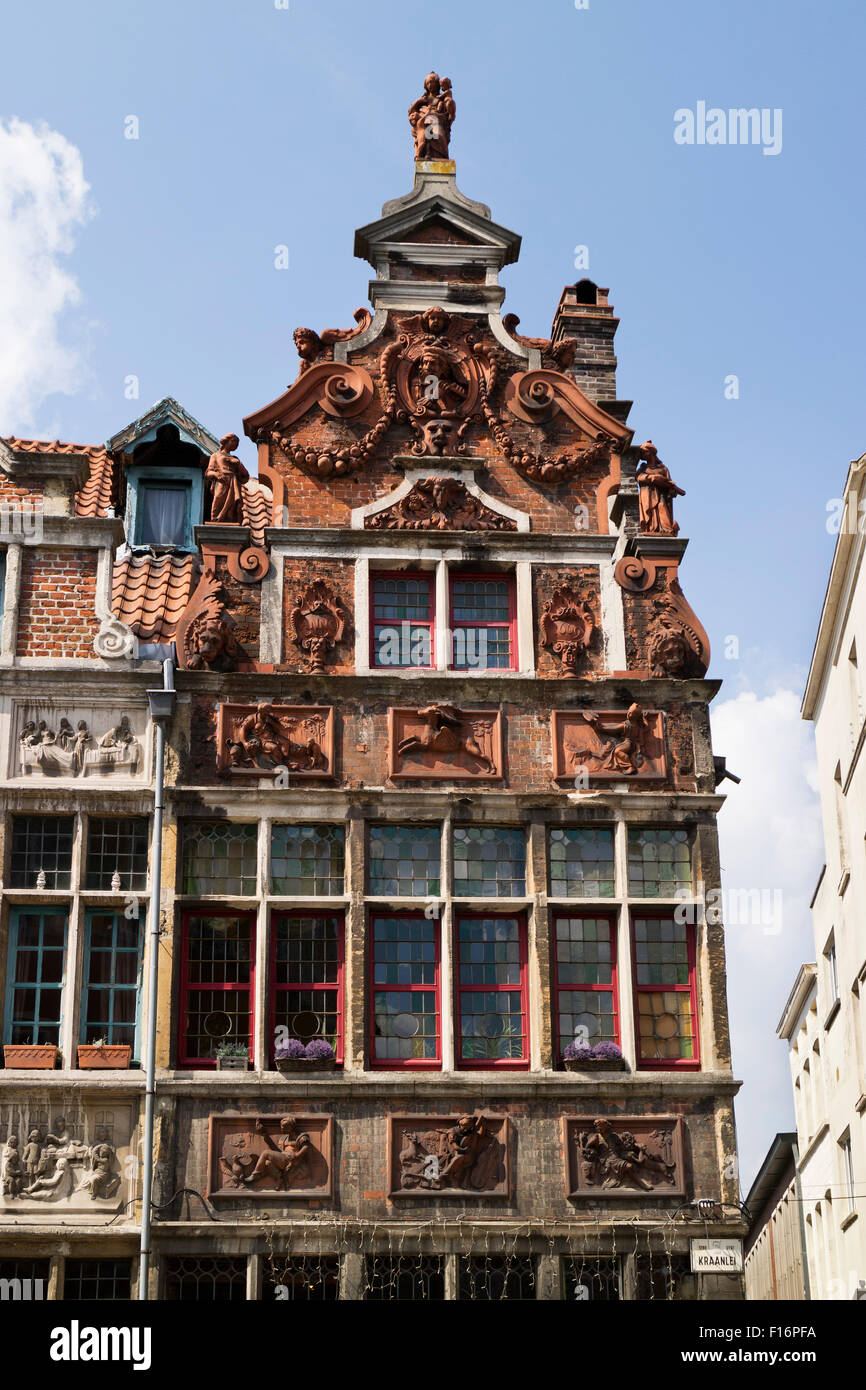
[
  {"x": 824, "y": 1022},
  {"x": 775, "y": 1257},
  {"x": 440, "y": 796}
]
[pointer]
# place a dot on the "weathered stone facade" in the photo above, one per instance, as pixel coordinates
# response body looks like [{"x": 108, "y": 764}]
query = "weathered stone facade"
[{"x": 469, "y": 495}]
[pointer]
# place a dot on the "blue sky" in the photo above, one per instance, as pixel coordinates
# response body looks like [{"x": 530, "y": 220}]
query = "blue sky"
[{"x": 262, "y": 126}]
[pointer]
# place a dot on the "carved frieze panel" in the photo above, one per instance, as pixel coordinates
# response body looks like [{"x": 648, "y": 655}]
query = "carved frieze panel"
[
  {"x": 607, "y": 745},
  {"x": 441, "y": 741},
  {"x": 271, "y": 1157},
  {"x": 319, "y": 622},
  {"x": 439, "y": 504},
  {"x": 437, "y": 1156},
  {"x": 56, "y": 740},
  {"x": 257, "y": 740},
  {"x": 53, "y": 1166},
  {"x": 630, "y": 1156},
  {"x": 567, "y": 627}
]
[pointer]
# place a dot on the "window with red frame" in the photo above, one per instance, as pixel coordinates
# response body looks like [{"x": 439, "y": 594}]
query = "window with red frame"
[
  {"x": 666, "y": 1001},
  {"x": 217, "y": 980},
  {"x": 307, "y": 977},
  {"x": 483, "y": 622},
  {"x": 405, "y": 992},
  {"x": 586, "y": 984},
  {"x": 402, "y": 620},
  {"x": 490, "y": 971}
]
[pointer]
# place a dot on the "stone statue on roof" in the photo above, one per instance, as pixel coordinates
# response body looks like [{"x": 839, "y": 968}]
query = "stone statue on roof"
[{"x": 431, "y": 118}]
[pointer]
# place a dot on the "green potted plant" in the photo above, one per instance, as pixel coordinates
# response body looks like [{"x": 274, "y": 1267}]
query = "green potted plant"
[
  {"x": 232, "y": 1056},
  {"x": 102, "y": 1055},
  {"x": 31, "y": 1056}
]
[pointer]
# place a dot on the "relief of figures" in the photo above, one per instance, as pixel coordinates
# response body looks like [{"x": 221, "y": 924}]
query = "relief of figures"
[
  {"x": 259, "y": 739},
  {"x": 443, "y": 1156},
  {"x": 268, "y": 1155},
  {"x": 626, "y": 1156},
  {"x": 73, "y": 752},
  {"x": 439, "y": 504},
  {"x": 442, "y": 741},
  {"x": 58, "y": 1168},
  {"x": 609, "y": 744}
]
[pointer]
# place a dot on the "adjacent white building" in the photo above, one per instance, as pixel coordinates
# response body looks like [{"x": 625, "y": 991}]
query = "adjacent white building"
[{"x": 824, "y": 1021}]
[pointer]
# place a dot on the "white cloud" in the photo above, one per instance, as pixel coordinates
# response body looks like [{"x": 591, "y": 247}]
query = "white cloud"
[
  {"x": 44, "y": 200},
  {"x": 770, "y": 838}
]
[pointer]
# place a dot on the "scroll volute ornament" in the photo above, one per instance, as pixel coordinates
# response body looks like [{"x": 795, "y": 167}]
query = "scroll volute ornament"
[
  {"x": 319, "y": 621},
  {"x": 567, "y": 628},
  {"x": 536, "y": 398},
  {"x": 657, "y": 493}
]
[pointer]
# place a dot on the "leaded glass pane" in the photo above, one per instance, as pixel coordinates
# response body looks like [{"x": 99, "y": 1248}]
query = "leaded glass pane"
[
  {"x": 308, "y": 860},
  {"x": 659, "y": 862},
  {"x": 405, "y": 860},
  {"x": 219, "y": 859},
  {"x": 581, "y": 862},
  {"x": 489, "y": 862}
]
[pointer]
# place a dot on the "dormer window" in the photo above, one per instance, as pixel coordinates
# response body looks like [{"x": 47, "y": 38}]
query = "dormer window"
[{"x": 163, "y": 513}]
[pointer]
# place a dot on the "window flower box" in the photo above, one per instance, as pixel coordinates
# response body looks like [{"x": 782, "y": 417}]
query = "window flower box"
[
  {"x": 31, "y": 1056},
  {"x": 232, "y": 1063},
  {"x": 304, "y": 1064},
  {"x": 596, "y": 1064},
  {"x": 98, "y": 1056}
]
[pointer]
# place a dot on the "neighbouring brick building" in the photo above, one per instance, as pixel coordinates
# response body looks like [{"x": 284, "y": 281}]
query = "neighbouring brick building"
[{"x": 440, "y": 795}]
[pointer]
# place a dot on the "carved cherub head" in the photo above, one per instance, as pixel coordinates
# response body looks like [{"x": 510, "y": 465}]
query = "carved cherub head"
[
  {"x": 669, "y": 654},
  {"x": 435, "y": 320},
  {"x": 308, "y": 344}
]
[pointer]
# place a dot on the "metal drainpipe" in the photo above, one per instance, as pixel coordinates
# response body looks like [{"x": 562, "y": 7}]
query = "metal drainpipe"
[{"x": 161, "y": 705}]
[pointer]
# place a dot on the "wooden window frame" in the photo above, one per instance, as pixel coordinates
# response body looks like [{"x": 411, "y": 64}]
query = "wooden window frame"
[
  {"x": 666, "y": 1063},
  {"x": 521, "y": 1063},
  {"x": 403, "y": 1063},
  {"x": 186, "y": 988},
  {"x": 274, "y": 990},
  {"x": 613, "y": 988},
  {"x": 507, "y": 577},
  {"x": 429, "y": 578}
]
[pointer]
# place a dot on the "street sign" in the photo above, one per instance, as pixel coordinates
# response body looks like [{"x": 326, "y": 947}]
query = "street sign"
[{"x": 719, "y": 1255}]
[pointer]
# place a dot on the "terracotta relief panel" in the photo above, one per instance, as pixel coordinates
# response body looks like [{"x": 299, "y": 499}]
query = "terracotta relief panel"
[
  {"x": 631, "y": 1156},
  {"x": 317, "y": 616},
  {"x": 52, "y": 1167},
  {"x": 607, "y": 745},
  {"x": 438, "y": 1156},
  {"x": 441, "y": 741},
  {"x": 53, "y": 740},
  {"x": 570, "y": 641},
  {"x": 258, "y": 740},
  {"x": 271, "y": 1157}
]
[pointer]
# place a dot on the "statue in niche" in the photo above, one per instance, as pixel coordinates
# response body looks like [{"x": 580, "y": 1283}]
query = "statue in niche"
[
  {"x": 608, "y": 743},
  {"x": 445, "y": 732},
  {"x": 225, "y": 476},
  {"x": 567, "y": 626},
  {"x": 318, "y": 622},
  {"x": 611, "y": 1158},
  {"x": 465, "y": 1156},
  {"x": 264, "y": 736},
  {"x": 431, "y": 118},
  {"x": 657, "y": 493}
]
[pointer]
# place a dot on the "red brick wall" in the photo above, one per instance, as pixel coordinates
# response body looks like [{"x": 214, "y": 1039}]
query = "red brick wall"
[
  {"x": 17, "y": 492},
  {"x": 57, "y": 608}
]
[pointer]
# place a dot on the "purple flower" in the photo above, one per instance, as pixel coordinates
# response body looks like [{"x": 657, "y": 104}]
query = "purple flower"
[
  {"x": 577, "y": 1052},
  {"x": 607, "y": 1052},
  {"x": 289, "y": 1051},
  {"x": 319, "y": 1051}
]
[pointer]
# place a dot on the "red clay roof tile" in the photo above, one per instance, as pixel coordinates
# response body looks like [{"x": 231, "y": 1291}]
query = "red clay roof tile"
[{"x": 150, "y": 592}]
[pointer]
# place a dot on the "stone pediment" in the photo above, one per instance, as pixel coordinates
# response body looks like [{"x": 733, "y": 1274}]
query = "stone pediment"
[{"x": 447, "y": 499}]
